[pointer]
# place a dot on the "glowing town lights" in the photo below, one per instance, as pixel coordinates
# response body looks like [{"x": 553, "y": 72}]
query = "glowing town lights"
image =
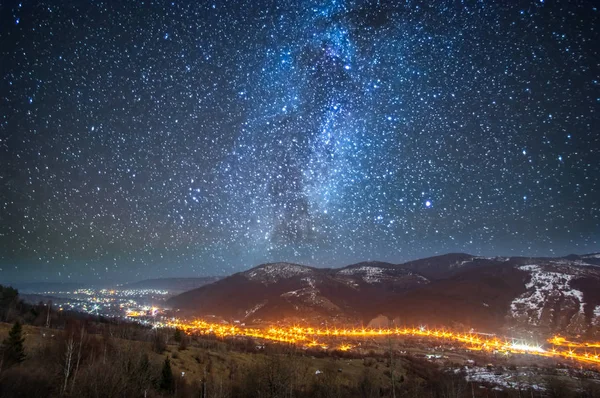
[
  {"x": 345, "y": 347},
  {"x": 526, "y": 348},
  {"x": 309, "y": 337},
  {"x": 562, "y": 342}
]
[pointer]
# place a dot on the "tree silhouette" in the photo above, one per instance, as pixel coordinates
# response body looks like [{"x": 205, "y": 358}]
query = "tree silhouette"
[
  {"x": 177, "y": 336},
  {"x": 8, "y": 295},
  {"x": 12, "y": 347},
  {"x": 167, "y": 381},
  {"x": 9, "y": 298}
]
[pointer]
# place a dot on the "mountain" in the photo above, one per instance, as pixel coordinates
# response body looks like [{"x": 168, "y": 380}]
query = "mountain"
[
  {"x": 512, "y": 295},
  {"x": 593, "y": 258},
  {"x": 561, "y": 295},
  {"x": 274, "y": 291},
  {"x": 170, "y": 284},
  {"x": 444, "y": 266},
  {"x": 472, "y": 298}
]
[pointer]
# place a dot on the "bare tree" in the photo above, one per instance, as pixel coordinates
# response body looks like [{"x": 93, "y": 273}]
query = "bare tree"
[
  {"x": 78, "y": 357},
  {"x": 49, "y": 304},
  {"x": 68, "y": 361}
]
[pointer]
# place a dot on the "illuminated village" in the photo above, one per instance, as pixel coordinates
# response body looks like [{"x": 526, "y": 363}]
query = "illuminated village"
[
  {"x": 351, "y": 339},
  {"x": 143, "y": 306}
]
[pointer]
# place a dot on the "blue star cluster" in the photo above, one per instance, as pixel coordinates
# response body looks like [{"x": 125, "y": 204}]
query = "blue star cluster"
[{"x": 169, "y": 138}]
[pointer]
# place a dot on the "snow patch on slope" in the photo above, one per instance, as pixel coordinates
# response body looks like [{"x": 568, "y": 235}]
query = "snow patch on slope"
[
  {"x": 310, "y": 297},
  {"x": 596, "y": 317},
  {"x": 462, "y": 263},
  {"x": 306, "y": 294},
  {"x": 369, "y": 274},
  {"x": 577, "y": 263},
  {"x": 309, "y": 281},
  {"x": 254, "y": 309},
  {"x": 543, "y": 286},
  {"x": 277, "y": 271},
  {"x": 505, "y": 380}
]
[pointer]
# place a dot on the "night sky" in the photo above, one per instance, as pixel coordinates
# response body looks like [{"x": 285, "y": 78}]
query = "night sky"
[{"x": 146, "y": 138}]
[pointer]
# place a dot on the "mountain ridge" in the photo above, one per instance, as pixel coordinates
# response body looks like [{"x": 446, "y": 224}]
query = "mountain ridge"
[
  {"x": 171, "y": 284},
  {"x": 514, "y": 294}
]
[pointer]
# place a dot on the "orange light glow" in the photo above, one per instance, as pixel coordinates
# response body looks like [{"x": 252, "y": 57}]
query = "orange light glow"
[{"x": 312, "y": 337}]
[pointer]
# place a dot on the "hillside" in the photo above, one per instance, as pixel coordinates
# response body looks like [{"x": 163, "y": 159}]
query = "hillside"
[
  {"x": 545, "y": 295},
  {"x": 133, "y": 368}
]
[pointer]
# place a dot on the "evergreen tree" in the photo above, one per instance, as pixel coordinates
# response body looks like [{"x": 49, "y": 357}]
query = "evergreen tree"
[
  {"x": 144, "y": 364},
  {"x": 12, "y": 347},
  {"x": 177, "y": 336},
  {"x": 7, "y": 295},
  {"x": 8, "y": 299},
  {"x": 158, "y": 343},
  {"x": 167, "y": 381}
]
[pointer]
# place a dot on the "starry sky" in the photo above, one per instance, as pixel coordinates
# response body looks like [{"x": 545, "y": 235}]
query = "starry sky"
[{"x": 172, "y": 138}]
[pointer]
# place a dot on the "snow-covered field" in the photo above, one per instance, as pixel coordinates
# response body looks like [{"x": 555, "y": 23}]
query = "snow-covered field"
[
  {"x": 543, "y": 286},
  {"x": 505, "y": 379}
]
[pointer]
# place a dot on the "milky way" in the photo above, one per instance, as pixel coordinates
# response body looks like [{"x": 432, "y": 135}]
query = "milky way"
[{"x": 191, "y": 138}]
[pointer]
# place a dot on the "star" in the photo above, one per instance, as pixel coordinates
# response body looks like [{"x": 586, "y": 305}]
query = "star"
[{"x": 190, "y": 139}]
